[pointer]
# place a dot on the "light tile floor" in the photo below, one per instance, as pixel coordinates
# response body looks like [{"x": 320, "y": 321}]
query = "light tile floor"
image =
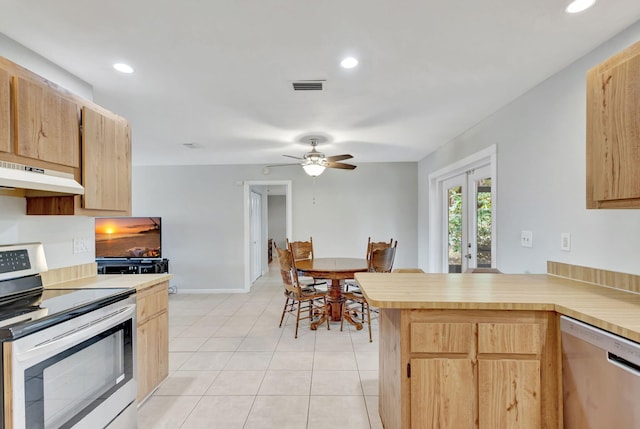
[{"x": 230, "y": 366}]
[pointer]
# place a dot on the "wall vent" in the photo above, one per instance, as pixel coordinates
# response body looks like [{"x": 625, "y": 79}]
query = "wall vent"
[
  {"x": 192, "y": 145},
  {"x": 308, "y": 85}
]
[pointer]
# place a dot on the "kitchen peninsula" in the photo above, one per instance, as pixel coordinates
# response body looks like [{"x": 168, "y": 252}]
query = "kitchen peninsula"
[{"x": 483, "y": 350}]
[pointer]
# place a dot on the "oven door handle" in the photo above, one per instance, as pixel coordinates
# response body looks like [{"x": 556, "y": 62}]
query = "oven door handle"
[{"x": 76, "y": 335}]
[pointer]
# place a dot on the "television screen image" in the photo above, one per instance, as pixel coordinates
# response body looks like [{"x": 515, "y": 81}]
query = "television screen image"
[{"x": 128, "y": 237}]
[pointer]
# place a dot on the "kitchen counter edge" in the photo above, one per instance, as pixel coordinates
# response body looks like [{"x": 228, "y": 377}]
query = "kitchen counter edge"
[
  {"x": 108, "y": 281},
  {"x": 611, "y": 309}
]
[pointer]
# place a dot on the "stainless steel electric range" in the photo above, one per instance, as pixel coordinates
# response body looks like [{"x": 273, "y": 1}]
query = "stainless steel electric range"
[{"x": 68, "y": 355}]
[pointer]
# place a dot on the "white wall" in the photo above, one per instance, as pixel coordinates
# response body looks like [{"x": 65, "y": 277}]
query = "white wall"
[
  {"x": 28, "y": 59},
  {"x": 202, "y": 214},
  {"x": 55, "y": 232},
  {"x": 277, "y": 219},
  {"x": 540, "y": 140}
]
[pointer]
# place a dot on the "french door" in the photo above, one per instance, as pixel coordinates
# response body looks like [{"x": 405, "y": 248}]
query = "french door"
[{"x": 468, "y": 218}]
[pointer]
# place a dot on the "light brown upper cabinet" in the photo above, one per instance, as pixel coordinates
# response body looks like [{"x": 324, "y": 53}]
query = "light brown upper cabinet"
[
  {"x": 40, "y": 126},
  {"x": 106, "y": 161},
  {"x": 5, "y": 106},
  {"x": 613, "y": 131},
  {"x": 47, "y": 125}
]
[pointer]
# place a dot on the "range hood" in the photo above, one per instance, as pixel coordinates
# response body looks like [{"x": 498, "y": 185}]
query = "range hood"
[{"x": 18, "y": 176}]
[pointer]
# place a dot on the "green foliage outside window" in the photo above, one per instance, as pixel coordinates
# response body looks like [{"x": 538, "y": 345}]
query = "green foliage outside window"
[{"x": 483, "y": 227}]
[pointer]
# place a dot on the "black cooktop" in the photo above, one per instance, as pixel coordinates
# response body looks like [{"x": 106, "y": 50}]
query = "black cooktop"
[
  {"x": 37, "y": 309},
  {"x": 26, "y": 307}
]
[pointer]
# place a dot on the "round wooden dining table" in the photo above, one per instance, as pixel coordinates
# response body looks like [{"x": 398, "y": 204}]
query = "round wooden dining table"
[{"x": 337, "y": 270}]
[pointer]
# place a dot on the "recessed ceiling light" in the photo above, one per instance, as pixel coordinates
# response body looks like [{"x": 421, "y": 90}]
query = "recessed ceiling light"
[
  {"x": 349, "y": 63},
  {"x": 123, "y": 68},
  {"x": 577, "y": 6}
]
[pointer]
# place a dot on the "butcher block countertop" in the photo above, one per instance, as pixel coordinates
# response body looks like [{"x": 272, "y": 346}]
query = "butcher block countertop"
[
  {"x": 614, "y": 310},
  {"x": 85, "y": 276},
  {"x": 137, "y": 281}
]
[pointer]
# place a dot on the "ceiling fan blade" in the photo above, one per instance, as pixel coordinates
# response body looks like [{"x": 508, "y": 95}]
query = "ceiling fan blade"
[
  {"x": 341, "y": 166},
  {"x": 291, "y": 156},
  {"x": 280, "y": 165},
  {"x": 338, "y": 157}
]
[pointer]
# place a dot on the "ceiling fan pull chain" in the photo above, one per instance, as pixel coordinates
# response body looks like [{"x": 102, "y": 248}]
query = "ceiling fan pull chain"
[{"x": 313, "y": 191}]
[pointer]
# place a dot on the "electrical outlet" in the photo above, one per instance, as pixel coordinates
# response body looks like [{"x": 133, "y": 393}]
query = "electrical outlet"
[
  {"x": 77, "y": 245},
  {"x": 80, "y": 245},
  {"x": 565, "y": 241},
  {"x": 526, "y": 238}
]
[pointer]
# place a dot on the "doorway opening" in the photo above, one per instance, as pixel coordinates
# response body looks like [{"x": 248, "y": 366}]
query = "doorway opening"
[
  {"x": 462, "y": 208},
  {"x": 256, "y": 224}
]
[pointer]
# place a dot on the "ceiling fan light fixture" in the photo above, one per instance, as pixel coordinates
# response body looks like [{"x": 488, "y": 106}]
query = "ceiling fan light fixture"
[
  {"x": 313, "y": 170},
  {"x": 577, "y": 6}
]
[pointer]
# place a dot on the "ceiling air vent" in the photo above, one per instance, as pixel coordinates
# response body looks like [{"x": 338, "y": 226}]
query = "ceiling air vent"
[{"x": 308, "y": 85}]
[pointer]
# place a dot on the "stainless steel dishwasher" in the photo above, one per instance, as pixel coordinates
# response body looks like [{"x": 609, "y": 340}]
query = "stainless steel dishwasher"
[{"x": 600, "y": 378}]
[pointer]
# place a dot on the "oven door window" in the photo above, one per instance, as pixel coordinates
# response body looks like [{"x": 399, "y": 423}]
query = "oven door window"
[{"x": 63, "y": 389}]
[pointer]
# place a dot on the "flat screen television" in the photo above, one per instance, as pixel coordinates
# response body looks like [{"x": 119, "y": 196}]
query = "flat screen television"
[{"x": 128, "y": 238}]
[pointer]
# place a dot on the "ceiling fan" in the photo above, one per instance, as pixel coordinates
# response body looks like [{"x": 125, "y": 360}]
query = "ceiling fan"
[{"x": 314, "y": 162}]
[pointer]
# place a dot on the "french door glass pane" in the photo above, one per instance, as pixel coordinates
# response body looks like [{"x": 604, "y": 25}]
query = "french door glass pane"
[
  {"x": 483, "y": 215},
  {"x": 454, "y": 222}
]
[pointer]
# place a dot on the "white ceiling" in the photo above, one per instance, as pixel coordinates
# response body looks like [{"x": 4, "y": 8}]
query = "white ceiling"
[{"x": 218, "y": 73}]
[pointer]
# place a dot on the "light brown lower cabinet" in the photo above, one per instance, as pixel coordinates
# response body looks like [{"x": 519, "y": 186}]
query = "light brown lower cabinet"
[
  {"x": 152, "y": 337},
  {"x": 469, "y": 369}
]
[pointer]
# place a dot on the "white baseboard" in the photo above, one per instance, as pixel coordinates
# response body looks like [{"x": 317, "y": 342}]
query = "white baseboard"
[{"x": 202, "y": 291}]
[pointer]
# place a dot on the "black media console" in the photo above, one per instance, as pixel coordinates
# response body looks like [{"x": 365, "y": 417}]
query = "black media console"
[{"x": 133, "y": 266}]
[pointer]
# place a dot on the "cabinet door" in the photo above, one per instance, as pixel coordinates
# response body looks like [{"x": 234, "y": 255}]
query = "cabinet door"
[
  {"x": 5, "y": 105},
  {"x": 613, "y": 131},
  {"x": 509, "y": 394},
  {"x": 106, "y": 162},
  {"x": 47, "y": 126},
  {"x": 153, "y": 354},
  {"x": 443, "y": 393}
]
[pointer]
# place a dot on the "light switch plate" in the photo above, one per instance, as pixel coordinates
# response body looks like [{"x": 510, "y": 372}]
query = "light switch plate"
[
  {"x": 526, "y": 238},
  {"x": 565, "y": 241}
]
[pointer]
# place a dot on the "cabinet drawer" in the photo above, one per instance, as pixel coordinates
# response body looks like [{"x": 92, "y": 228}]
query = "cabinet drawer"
[
  {"x": 152, "y": 301},
  {"x": 441, "y": 337},
  {"x": 515, "y": 338}
]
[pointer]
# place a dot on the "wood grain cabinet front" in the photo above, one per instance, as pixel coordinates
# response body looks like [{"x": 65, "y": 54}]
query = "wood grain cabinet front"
[
  {"x": 613, "y": 131},
  {"x": 106, "y": 161},
  {"x": 152, "y": 338},
  {"x": 46, "y": 124},
  {"x": 471, "y": 369},
  {"x": 5, "y": 111}
]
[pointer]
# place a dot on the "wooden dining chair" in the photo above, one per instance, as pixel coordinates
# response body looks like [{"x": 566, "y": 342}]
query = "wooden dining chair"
[
  {"x": 371, "y": 246},
  {"x": 355, "y": 305},
  {"x": 381, "y": 260},
  {"x": 300, "y": 299},
  {"x": 374, "y": 245},
  {"x": 303, "y": 250}
]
